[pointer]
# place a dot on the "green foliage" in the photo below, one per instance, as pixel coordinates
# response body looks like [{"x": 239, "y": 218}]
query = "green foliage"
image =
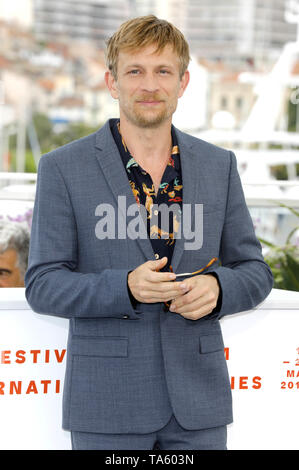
[
  {"x": 292, "y": 113},
  {"x": 44, "y": 131},
  {"x": 284, "y": 260},
  {"x": 72, "y": 132},
  {"x": 48, "y": 139},
  {"x": 30, "y": 166},
  {"x": 280, "y": 171}
]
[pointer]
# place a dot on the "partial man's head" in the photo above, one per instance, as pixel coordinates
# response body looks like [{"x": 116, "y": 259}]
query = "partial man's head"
[
  {"x": 14, "y": 249},
  {"x": 147, "y": 60}
]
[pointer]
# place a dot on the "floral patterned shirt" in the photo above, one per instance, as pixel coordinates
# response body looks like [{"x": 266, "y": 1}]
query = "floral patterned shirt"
[{"x": 170, "y": 192}]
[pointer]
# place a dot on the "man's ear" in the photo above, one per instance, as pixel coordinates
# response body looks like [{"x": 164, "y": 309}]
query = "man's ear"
[
  {"x": 111, "y": 84},
  {"x": 184, "y": 83}
]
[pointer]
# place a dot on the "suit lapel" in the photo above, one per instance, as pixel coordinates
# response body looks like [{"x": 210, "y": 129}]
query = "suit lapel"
[
  {"x": 190, "y": 178},
  {"x": 115, "y": 174}
]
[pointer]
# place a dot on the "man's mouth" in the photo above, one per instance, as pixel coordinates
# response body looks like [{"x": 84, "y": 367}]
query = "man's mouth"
[{"x": 149, "y": 102}]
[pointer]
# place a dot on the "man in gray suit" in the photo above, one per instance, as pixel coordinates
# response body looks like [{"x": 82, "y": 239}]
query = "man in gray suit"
[{"x": 145, "y": 364}]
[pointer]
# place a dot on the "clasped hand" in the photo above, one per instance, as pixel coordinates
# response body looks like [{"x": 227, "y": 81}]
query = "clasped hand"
[{"x": 192, "y": 298}]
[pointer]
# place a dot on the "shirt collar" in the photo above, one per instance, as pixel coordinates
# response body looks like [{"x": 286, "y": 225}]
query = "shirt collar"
[{"x": 174, "y": 159}]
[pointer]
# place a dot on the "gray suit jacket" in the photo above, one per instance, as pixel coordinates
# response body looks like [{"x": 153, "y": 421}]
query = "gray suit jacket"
[{"x": 128, "y": 370}]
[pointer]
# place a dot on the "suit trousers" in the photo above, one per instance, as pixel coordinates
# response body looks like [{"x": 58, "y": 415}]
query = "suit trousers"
[{"x": 170, "y": 437}]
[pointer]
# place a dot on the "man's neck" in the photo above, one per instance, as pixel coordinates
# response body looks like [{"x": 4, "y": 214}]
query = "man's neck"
[{"x": 151, "y": 147}]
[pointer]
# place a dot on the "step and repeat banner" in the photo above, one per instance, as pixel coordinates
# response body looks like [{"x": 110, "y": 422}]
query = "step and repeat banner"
[{"x": 261, "y": 349}]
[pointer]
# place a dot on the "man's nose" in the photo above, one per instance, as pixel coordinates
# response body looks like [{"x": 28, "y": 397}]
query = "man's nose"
[{"x": 150, "y": 82}]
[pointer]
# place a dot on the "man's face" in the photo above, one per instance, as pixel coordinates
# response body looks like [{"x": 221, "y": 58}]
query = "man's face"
[
  {"x": 10, "y": 275},
  {"x": 148, "y": 85}
]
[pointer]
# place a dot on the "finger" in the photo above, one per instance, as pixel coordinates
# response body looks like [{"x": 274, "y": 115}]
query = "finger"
[
  {"x": 156, "y": 265},
  {"x": 160, "y": 296},
  {"x": 167, "y": 289},
  {"x": 193, "y": 292},
  {"x": 190, "y": 302},
  {"x": 176, "y": 299},
  {"x": 160, "y": 277},
  {"x": 197, "y": 314},
  {"x": 193, "y": 312}
]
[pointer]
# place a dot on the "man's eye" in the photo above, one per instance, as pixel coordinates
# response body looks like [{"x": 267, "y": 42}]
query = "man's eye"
[
  {"x": 134, "y": 72},
  {"x": 164, "y": 72}
]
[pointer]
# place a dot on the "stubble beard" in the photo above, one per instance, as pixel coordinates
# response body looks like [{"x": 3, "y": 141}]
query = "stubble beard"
[{"x": 147, "y": 118}]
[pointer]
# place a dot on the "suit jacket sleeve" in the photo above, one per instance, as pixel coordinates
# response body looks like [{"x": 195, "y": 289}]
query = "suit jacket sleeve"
[
  {"x": 244, "y": 277},
  {"x": 53, "y": 286}
]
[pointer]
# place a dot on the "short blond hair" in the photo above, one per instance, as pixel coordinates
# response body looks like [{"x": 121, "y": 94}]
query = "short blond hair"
[{"x": 143, "y": 31}]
